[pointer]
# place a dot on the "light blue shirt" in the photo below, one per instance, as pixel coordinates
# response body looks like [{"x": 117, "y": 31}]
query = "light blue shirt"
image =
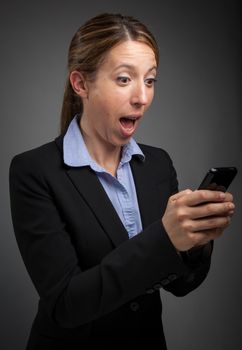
[{"x": 121, "y": 189}]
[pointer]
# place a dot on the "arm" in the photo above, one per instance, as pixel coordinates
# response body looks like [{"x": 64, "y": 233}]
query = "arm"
[
  {"x": 192, "y": 224},
  {"x": 73, "y": 294},
  {"x": 192, "y": 220}
]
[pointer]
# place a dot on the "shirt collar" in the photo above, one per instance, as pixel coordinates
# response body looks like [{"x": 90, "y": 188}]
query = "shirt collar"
[{"x": 77, "y": 155}]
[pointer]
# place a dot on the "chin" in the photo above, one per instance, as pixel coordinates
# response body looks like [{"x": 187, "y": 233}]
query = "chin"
[{"x": 123, "y": 142}]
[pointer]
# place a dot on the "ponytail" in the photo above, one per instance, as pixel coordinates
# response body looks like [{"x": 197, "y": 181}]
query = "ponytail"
[{"x": 72, "y": 105}]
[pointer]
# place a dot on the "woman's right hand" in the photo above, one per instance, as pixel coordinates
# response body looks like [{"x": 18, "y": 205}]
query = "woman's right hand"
[{"x": 193, "y": 218}]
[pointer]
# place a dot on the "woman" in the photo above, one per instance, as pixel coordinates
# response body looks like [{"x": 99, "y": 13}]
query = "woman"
[{"x": 98, "y": 218}]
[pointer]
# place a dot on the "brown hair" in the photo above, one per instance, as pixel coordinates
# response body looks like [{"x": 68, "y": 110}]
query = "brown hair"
[{"x": 88, "y": 48}]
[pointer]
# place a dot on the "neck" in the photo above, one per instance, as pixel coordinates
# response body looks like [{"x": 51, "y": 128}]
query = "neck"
[{"x": 105, "y": 154}]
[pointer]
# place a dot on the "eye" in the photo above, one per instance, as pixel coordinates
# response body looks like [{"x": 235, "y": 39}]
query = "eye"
[
  {"x": 150, "y": 82},
  {"x": 123, "y": 80}
]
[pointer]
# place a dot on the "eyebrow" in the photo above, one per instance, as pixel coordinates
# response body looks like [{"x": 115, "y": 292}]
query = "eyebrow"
[{"x": 132, "y": 67}]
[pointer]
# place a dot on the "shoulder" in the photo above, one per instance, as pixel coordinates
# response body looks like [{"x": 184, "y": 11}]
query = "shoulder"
[
  {"x": 155, "y": 154},
  {"x": 42, "y": 157}
]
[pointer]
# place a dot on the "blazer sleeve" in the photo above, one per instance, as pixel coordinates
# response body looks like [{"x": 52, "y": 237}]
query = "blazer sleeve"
[
  {"x": 74, "y": 296},
  {"x": 197, "y": 261}
]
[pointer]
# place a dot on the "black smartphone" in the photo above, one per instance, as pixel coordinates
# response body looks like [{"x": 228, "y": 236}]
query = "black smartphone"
[{"x": 218, "y": 179}]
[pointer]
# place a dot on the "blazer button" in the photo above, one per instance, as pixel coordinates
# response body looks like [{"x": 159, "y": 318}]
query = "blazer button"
[
  {"x": 157, "y": 286},
  {"x": 172, "y": 277},
  {"x": 134, "y": 306},
  {"x": 165, "y": 281},
  {"x": 150, "y": 291}
]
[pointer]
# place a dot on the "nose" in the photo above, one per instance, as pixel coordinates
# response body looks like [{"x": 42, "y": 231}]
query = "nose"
[{"x": 139, "y": 96}]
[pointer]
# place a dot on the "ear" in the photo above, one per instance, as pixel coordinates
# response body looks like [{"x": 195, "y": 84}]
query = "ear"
[{"x": 79, "y": 84}]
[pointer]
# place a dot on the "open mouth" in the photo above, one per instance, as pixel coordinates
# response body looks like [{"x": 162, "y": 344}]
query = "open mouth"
[
  {"x": 127, "y": 122},
  {"x": 128, "y": 125}
]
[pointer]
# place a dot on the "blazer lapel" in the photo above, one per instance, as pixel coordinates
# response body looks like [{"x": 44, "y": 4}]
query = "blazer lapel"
[
  {"x": 87, "y": 184},
  {"x": 151, "y": 194},
  {"x": 151, "y": 191}
]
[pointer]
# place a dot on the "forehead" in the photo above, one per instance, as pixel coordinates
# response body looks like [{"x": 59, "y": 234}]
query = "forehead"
[{"x": 132, "y": 53}]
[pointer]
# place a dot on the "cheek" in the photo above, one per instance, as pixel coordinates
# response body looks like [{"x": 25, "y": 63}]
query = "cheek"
[
  {"x": 98, "y": 102},
  {"x": 149, "y": 101},
  {"x": 105, "y": 108},
  {"x": 118, "y": 94},
  {"x": 115, "y": 101},
  {"x": 151, "y": 96}
]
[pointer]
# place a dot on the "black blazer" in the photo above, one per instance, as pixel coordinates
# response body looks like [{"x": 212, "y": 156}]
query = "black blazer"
[{"x": 96, "y": 285}]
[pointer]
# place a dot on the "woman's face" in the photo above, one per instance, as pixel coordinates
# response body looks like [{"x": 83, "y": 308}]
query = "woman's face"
[{"x": 120, "y": 94}]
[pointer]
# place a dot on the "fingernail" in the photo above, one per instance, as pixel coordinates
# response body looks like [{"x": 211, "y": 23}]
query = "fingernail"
[{"x": 222, "y": 195}]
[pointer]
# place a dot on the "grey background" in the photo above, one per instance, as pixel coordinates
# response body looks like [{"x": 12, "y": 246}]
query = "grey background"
[{"x": 195, "y": 117}]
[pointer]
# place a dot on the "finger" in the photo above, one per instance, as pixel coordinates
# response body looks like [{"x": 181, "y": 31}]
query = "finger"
[
  {"x": 210, "y": 223},
  {"x": 211, "y": 209},
  {"x": 203, "y": 196},
  {"x": 228, "y": 197},
  {"x": 180, "y": 194}
]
